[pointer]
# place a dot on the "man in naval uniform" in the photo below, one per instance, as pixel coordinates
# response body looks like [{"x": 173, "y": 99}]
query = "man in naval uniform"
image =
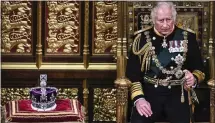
[{"x": 164, "y": 65}]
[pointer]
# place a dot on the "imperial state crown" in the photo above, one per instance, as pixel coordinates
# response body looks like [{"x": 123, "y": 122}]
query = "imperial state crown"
[{"x": 43, "y": 98}]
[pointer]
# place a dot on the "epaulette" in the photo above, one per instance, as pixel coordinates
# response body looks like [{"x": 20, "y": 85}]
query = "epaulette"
[
  {"x": 188, "y": 29},
  {"x": 142, "y": 30}
]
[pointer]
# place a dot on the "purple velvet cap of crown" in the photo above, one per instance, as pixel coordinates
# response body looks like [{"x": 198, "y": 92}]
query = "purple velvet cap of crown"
[{"x": 36, "y": 94}]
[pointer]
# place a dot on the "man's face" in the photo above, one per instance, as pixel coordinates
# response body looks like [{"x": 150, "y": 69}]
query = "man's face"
[{"x": 164, "y": 22}]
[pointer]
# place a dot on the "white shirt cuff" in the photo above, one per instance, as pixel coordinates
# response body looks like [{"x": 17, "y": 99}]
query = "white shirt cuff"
[{"x": 137, "y": 100}]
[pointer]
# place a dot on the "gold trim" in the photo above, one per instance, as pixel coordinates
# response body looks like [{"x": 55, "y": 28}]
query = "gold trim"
[
  {"x": 136, "y": 89},
  {"x": 73, "y": 112},
  {"x": 39, "y": 46},
  {"x": 60, "y": 66},
  {"x": 200, "y": 75},
  {"x": 142, "y": 30},
  {"x": 11, "y": 65},
  {"x": 86, "y": 29},
  {"x": 134, "y": 94},
  {"x": 102, "y": 66}
]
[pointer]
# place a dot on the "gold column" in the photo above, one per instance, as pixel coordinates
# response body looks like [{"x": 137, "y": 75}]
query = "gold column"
[
  {"x": 39, "y": 46},
  {"x": 86, "y": 40},
  {"x": 211, "y": 82},
  {"x": 122, "y": 84},
  {"x": 85, "y": 96}
]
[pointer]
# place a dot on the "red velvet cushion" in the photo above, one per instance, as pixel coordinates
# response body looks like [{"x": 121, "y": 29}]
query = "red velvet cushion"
[{"x": 66, "y": 110}]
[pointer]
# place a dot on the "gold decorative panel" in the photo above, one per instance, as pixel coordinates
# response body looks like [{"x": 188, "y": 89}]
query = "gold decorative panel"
[
  {"x": 63, "y": 27},
  {"x": 192, "y": 15},
  {"x": 16, "y": 22},
  {"x": 104, "y": 104},
  {"x": 71, "y": 93},
  {"x": 8, "y": 94},
  {"x": 105, "y": 27}
]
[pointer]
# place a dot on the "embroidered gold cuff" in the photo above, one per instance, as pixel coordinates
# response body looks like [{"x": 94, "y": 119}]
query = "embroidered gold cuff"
[
  {"x": 136, "y": 89},
  {"x": 200, "y": 75}
]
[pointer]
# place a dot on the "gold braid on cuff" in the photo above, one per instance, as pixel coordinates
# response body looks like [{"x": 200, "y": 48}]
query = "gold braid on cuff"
[
  {"x": 136, "y": 89},
  {"x": 200, "y": 75}
]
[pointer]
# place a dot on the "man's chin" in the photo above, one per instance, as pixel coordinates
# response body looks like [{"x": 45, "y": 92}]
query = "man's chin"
[{"x": 165, "y": 33}]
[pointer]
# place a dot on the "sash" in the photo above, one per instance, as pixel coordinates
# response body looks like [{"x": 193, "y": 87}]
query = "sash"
[{"x": 165, "y": 56}]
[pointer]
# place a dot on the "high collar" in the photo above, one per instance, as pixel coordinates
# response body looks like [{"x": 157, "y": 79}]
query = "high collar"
[{"x": 159, "y": 34}]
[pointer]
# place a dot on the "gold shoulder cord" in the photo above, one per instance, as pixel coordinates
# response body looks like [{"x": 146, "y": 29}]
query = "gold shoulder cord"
[
  {"x": 145, "y": 51},
  {"x": 187, "y": 29}
]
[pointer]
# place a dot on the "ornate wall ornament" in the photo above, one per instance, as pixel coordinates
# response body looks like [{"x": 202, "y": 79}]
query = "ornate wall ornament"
[
  {"x": 190, "y": 15},
  {"x": 105, "y": 27},
  {"x": 104, "y": 104},
  {"x": 16, "y": 29},
  {"x": 8, "y": 94},
  {"x": 71, "y": 93},
  {"x": 63, "y": 27}
]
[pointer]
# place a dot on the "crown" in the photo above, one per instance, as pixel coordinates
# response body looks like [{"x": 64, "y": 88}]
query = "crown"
[{"x": 43, "y": 98}]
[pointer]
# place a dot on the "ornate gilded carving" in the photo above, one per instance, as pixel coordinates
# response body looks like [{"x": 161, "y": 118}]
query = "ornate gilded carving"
[
  {"x": 105, "y": 34},
  {"x": 104, "y": 104},
  {"x": 188, "y": 20},
  {"x": 85, "y": 97},
  {"x": 122, "y": 85},
  {"x": 63, "y": 22},
  {"x": 8, "y": 94},
  {"x": 16, "y": 27},
  {"x": 122, "y": 90},
  {"x": 71, "y": 93}
]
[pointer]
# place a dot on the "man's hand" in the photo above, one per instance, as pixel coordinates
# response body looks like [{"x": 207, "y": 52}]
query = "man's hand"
[
  {"x": 144, "y": 107},
  {"x": 190, "y": 80}
]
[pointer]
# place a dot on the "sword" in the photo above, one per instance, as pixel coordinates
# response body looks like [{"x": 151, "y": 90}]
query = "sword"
[{"x": 192, "y": 99}]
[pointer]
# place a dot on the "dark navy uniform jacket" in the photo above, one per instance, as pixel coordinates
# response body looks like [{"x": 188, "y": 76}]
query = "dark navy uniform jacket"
[{"x": 193, "y": 61}]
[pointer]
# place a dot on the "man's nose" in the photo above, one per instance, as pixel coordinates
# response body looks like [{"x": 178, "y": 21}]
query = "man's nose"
[{"x": 165, "y": 24}]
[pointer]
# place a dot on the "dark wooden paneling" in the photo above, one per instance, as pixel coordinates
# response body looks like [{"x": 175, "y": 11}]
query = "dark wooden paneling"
[{"x": 14, "y": 78}]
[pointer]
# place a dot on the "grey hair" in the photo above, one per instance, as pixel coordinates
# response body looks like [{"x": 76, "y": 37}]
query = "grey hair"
[{"x": 159, "y": 4}]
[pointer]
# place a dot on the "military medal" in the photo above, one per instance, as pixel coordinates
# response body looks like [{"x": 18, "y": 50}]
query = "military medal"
[
  {"x": 178, "y": 59},
  {"x": 179, "y": 74},
  {"x": 164, "y": 44},
  {"x": 177, "y": 46}
]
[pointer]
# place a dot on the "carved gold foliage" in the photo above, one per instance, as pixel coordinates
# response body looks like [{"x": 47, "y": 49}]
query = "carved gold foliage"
[
  {"x": 71, "y": 93},
  {"x": 63, "y": 21},
  {"x": 122, "y": 93},
  {"x": 104, "y": 104},
  {"x": 8, "y": 94},
  {"x": 105, "y": 34},
  {"x": 16, "y": 27},
  {"x": 188, "y": 20}
]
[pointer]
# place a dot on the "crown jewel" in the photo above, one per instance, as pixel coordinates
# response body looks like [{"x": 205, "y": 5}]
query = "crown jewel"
[{"x": 43, "y": 98}]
